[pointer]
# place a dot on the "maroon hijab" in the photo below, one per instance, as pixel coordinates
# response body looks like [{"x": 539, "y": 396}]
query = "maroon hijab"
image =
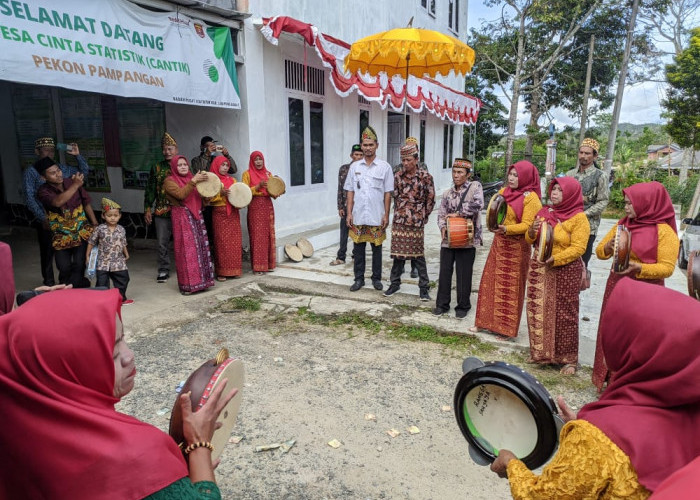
[
  {"x": 61, "y": 434},
  {"x": 226, "y": 180},
  {"x": 571, "y": 202},
  {"x": 528, "y": 180},
  {"x": 193, "y": 201},
  {"x": 651, "y": 408},
  {"x": 653, "y": 206},
  {"x": 7, "y": 283}
]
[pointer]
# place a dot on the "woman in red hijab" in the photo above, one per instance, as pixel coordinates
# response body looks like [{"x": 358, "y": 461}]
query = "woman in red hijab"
[
  {"x": 61, "y": 435},
  {"x": 261, "y": 216},
  {"x": 553, "y": 287},
  {"x": 644, "y": 426},
  {"x": 192, "y": 259},
  {"x": 226, "y": 225},
  {"x": 650, "y": 218},
  {"x": 506, "y": 267}
]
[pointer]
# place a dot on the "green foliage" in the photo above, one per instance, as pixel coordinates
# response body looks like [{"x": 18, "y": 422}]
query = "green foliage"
[
  {"x": 492, "y": 124},
  {"x": 683, "y": 96},
  {"x": 241, "y": 304},
  {"x": 681, "y": 194}
]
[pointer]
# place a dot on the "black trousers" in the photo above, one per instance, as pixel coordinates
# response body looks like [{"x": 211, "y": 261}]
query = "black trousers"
[
  {"x": 589, "y": 250},
  {"x": 343, "y": 247},
  {"x": 120, "y": 279},
  {"x": 45, "y": 238},
  {"x": 463, "y": 260},
  {"x": 359, "y": 251},
  {"x": 421, "y": 266},
  {"x": 208, "y": 216},
  {"x": 71, "y": 266}
]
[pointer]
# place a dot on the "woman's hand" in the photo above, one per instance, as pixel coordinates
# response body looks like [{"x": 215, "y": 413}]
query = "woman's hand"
[
  {"x": 609, "y": 247},
  {"x": 200, "y": 425},
  {"x": 501, "y": 230},
  {"x": 500, "y": 465},
  {"x": 200, "y": 176},
  {"x": 632, "y": 269},
  {"x": 260, "y": 185},
  {"x": 565, "y": 412},
  {"x": 532, "y": 230}
]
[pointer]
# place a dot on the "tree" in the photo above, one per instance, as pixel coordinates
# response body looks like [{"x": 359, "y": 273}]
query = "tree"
[{"x": 492, "y": 123}]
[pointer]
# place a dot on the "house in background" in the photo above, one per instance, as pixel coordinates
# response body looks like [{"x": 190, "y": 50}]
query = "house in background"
[{"x": 656, "y": 152}]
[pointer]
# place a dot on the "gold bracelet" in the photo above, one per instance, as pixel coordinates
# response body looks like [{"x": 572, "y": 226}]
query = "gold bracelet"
[{"x": 198, "y": 444}]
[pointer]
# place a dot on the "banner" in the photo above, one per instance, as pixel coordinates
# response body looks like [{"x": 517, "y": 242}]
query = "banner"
[{"x": 115, "y": 47}]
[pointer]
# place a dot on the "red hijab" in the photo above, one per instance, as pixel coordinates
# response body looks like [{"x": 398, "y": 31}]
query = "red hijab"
[
  {"x": 226, "y": 180},
  {"x": 7, "y": 283},
  {"x": 651, "y": 408},
  {"x": 528, "y": 180},
  {"x": 256, "y": 176},
  {"x": 61, "y": 435},
  {"x": 571, "y": 202},
  {"x": 193, "y": 201},
  {"x": 653, "y": 206},
  {"x": 684, "y": 483}
]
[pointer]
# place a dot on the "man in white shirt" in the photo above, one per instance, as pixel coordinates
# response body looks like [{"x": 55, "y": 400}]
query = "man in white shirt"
[{"x": 370, "y": 184}]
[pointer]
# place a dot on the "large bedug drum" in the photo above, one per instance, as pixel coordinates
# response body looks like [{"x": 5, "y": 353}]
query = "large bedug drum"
[
  {"x": 496, "y": 212},
  {"x": 202, "y": 383},
  {"x": 694, "y": 274},
  {"x": 545, "y": 242},
  {"x": 621, "y": 249},
  {"x": 240, "y": 195},
  {"x": 501, "y": 407},
  {"x": 210, "y": 187},
  {"x": 460, "y": 231},
  {"x": 276, "y": 186}
]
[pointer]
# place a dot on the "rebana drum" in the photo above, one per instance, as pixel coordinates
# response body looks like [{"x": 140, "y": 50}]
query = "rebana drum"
[
  {"x": 276, "y": 186},
  {"x": 621, "y": 249},
  {"x": 460, "y": 231},
  {"x": 499, "y": 406},
  {"x": 496, "y": 212},
  {"x": 545, "y": 242},
  {"x": 694, "y": 274},
  {"x": 240, "y": 195},
  {"x": 211, "y": 187}
]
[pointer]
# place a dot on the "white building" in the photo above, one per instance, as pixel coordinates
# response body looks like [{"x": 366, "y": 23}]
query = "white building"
[{"x": 291, "y": 109}]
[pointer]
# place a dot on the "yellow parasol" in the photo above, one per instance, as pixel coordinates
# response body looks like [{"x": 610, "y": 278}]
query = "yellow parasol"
[{"x": 410, "y": 51}]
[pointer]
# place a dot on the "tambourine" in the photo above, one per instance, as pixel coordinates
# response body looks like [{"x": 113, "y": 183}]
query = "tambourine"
[
  {"x": 694, "y": 274},
  {"x": 276, "y": 186},
  {"x": 460, "y": 231},
  {"x": 621, "y": 249},
  {"x": 293, "y": 252},
  {"x": 496, "y": 212},
  {"x": 307, "y": 249},
  {"x": 545, "y": 242},
  {"x": 501, "y": 407},
  {"x": 202, "y": 383},
  {"x": 240, "y": 195},
  {"x": 210, "y": 187}
]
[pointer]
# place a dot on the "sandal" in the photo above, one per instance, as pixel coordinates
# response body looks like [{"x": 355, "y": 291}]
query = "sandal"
[
  {"x": 337, "y": 262},
  {"x": 221, "y": 278},
  {"x": 569, "y": 369}
]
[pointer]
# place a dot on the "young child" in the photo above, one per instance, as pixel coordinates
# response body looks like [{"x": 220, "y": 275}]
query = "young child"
[{"x": 112, "y": 254}]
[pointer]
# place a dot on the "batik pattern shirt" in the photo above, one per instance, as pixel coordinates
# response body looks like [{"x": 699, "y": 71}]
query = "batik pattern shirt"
[
  {"x": 414, "y": 198},
  {"x": 471, "y": 208},
  {"x": 68, "y": 223},
  {"x": 596, "y": 193},
  {"x": 154, "y": 197},
  {"x": 32, "y": 181},
  {"x": 342, "y": 195},
  {"x": 110, "y": 248}
]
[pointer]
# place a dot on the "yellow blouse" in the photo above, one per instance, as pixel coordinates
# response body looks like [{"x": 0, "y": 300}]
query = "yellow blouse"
[
  {"x": 531, "y": 206},
  {"x": 570, "y": 239},
  {"x": 246, "y": 179},
  {"x": 666, "y": 254},
  {"x": 587, "y": 466}
]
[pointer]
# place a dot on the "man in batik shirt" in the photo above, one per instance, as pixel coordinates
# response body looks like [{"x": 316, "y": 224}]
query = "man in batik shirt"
[
  {"x": 414, "y": 199},
  {"x": 355, "y": 155}
]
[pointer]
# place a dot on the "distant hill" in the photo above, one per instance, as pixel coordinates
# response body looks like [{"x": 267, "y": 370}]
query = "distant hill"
[{"x": 636, "y": 129}]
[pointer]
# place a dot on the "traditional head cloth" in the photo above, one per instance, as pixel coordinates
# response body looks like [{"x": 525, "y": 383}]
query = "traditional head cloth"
[
  {"x": 591, "y": 143},
  {"x": 256, "y": 176},
  {"x": 168, "y": 140},
  {"x": 369, "y": 133},
  {"x": 44, "y": 164},
  {"x": 409, "y": 151},
  {"x": 651, "y": 408},
  {"x": 59, "y": 423},
  {"x": 652, "y": 206},
  {"x": 412, "y": 140},
  {"x": 528, "y": 180},
  {"x": 226, "y": 180},
  {"x": 462, "y": 163},
  {"x": 355, "y": 148},
  {"x": 108, "y": 204},
  {"x": 571, "y": 201},
  {"x": 7, "y": 283},
  {"x": 44, "y": 142},
  {"x": 193, "y": 201}
]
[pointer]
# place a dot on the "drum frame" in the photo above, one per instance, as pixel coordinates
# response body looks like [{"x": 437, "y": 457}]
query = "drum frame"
[
  {"x": 470, "y": 231},
  {"x": 496, "y": 211},
  {"x": 694, "y": 274},
  {"x": 545, "y": 242},
  {"x": 618, "y": 266}
]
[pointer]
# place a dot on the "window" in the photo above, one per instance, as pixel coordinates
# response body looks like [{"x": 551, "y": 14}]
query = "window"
[
  {"x": 447, "y": 142},
  {"x": 422, "y": 141},
  {"x": 364, "y": 106},
  {"x": 428, "y": 5},
  {"x": 453, "y": 15}
]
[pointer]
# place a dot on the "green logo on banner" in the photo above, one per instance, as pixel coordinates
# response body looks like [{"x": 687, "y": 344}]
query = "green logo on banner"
[{"x": 213, "y": 74}]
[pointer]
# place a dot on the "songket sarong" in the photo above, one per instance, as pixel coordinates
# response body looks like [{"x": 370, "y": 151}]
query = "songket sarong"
[
  {"x": 261, "y": 231},
  {"x": 601, "y": 374},
  {"x": 228, "y": 250},
  {"x": 406, "y": 241},
  {"x": 502, "y": 288},
  {"x": 192, "y": 259},
  {"x": 367, "y": 234},
  {"x": 552, "y": 312}
]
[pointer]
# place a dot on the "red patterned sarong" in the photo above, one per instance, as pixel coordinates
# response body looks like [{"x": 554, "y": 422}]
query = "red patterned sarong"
[
  {"x": 552, "y": 312},
  {"x": 406, "y": 241},
  {"x": 502, "y": 288},
  {"x": 192, "y": 260},
  {"x": 227, "y": 242},
  {"x": 261, "y": 231}
]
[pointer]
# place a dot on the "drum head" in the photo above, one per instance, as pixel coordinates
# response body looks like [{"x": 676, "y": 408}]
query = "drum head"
[
  {"x": 694, "y": 274},
  {"x": 293, "y": 252},
  {"x": 211, "y": 187},
  {"x": 545, "y": 242},
  {"x": 499, "y": 406},
  {"x": 275, "y": 186},
  {"x": 240, "y": 195},
  {"x": 307, "y": 249},
  {"x": 496, "y": 211}
]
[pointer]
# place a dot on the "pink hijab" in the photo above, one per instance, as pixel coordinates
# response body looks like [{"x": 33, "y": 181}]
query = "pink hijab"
[
  {"x": 193, "y": 201},
  {"x": 226, "y": 180},
  {"x": 528, "y": 180},
  {"x": 571, "y": 202},
  {"x": 257, "y": 175}
]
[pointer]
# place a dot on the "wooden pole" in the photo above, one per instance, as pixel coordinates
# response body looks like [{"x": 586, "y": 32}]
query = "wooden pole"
[{"x": 586, "y": 92}]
